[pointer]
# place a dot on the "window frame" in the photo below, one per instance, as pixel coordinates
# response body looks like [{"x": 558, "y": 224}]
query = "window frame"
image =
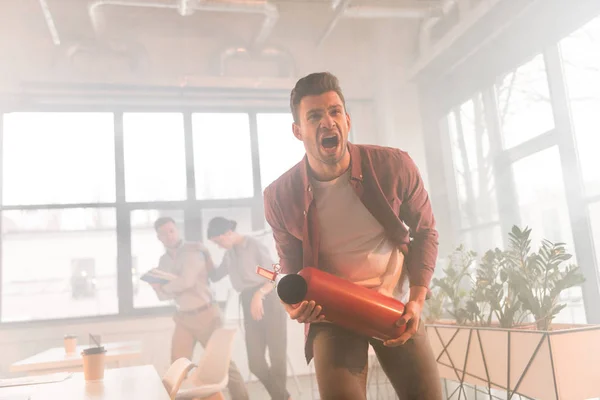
[
  {"x": 191, "y": 208},
  {"x": 440, "y": 96}
]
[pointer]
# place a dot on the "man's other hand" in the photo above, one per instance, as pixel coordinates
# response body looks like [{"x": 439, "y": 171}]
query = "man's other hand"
[
  {"x": 256, "y": 306},
  {"x": 410, "y": 319},
  {"x": 305, "y": 312}
]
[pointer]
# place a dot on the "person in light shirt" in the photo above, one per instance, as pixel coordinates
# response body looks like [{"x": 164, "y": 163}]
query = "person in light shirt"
[{"x": 197, "y": 316}]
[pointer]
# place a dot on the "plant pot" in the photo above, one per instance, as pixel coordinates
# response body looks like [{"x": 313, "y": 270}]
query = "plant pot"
[{"x": 561, "y": 363}]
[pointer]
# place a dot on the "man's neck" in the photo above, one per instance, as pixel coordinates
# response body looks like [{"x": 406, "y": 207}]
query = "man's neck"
[
  {"x": 325, "y": 172},
  {"x": 240, "y": 239},
  {"x": 173, "y": 250}
]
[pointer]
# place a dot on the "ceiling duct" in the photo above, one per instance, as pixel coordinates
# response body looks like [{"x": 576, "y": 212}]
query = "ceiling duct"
[
  {"x": 283, "y": 58},
  {"x": 425, "y": 29},
  {"x": 406, "y": 9},
  {"x": 188, "y": 7},
  {"x": 134, "y": 54}
]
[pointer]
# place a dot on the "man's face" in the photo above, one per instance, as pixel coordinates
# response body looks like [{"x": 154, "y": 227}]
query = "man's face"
[
  {"x": 168, "y": 235},
  {"x": 223, "y": 241},
  {"x": 323, "y": 127}
]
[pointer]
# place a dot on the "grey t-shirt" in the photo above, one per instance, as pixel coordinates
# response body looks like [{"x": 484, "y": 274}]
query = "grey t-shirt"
[{"x": 240, "y": 263}]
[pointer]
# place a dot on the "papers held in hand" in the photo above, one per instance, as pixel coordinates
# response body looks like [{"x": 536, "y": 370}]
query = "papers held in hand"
[{"x": 157, "y": 276}]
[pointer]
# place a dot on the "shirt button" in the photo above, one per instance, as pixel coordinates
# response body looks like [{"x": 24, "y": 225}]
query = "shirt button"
[
  {"x": 305, "y": 213},
  {"x": 309, "y": 188},
  {"x": 360, "y": 176}
]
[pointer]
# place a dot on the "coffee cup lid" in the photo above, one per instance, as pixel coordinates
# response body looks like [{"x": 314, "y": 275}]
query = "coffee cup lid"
[
  {"x": 94, "y": 350},
  {"x": 70, "y": 336}
]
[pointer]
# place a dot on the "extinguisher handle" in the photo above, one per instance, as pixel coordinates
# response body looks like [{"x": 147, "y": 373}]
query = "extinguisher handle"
[{"x": 270, "y": 275}]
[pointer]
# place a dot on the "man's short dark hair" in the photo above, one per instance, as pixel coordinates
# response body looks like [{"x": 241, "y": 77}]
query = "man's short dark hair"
[
  {"x": 219, "y": 226},
  {"x": 313, "y": 85},
  {"x": 161, "y": 221}
]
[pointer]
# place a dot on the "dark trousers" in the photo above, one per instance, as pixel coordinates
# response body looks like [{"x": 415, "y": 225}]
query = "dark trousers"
[
  {"x": 269, "y": 332},
  {"x": 341, "y": 364}
]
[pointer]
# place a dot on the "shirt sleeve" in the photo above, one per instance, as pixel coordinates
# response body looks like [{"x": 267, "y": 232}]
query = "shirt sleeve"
[
  {"x": 289, "y": 248},
  {"x": 193, "y": 264},
  {"x": 417, "y": 214}
]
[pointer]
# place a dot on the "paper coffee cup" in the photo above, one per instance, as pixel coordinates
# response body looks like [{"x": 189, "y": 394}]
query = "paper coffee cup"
[
  {"x": 93, "y": 363},
  {"x": 70, "y": 342}
]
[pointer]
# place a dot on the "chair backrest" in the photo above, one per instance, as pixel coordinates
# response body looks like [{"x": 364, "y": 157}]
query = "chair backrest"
[
  {"x": 176, "y": 373},
  {"x": 213, "y": 367}
]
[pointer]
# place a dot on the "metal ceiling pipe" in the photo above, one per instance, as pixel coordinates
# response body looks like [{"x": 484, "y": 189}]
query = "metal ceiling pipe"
[
  {"x": 428, "y": 23},
  {"x": 287, "y": 67},
  {"x": 184, "y": 8},
  {"x": 405, "y": 9},
  {"x": 187, "y": 7},
  {"x": 387, "y": 12},
  {"x": 340, "y": 7},
  {"x": 229, "y": 53},
  {"x": 50, "y": 22},
  {"x": 285, "y": 59},
  {"x": 98, "y": 20}
]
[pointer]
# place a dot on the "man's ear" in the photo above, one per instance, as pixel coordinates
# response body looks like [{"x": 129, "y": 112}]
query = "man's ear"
[{"x": 296, "y": 130}]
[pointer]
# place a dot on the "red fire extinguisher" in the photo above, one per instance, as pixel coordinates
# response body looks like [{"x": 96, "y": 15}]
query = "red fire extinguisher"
[{"x": 344, "y": 303}]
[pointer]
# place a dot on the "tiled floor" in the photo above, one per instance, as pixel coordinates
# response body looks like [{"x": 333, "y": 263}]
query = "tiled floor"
[
  {"x": 306, "y": 388},
  {"x": 378, "y": 389}
]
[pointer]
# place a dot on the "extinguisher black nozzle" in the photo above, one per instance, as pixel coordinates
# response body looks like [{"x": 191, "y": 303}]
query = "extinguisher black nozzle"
[{"x": 292, "y": 289}]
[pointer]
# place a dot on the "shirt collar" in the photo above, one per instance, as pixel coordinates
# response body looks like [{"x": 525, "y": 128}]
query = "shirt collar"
[
  {"x": 176, "y": 250},
  {"x": 355, "y": 167}
]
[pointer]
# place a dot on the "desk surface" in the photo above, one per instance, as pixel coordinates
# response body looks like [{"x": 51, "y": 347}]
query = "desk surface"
[
  {"x": 56, "y": 358},
  {"x": 142, "y": 382}
]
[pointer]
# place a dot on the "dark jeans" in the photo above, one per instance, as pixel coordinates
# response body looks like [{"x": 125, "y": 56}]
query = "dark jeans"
[
  {"x": 341, "y": 364},
  {"x": 269, "y": 332}
]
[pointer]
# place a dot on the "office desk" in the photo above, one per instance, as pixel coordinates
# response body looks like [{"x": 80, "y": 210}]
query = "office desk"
[
  {"x": 141, "y": 382},
  {"x": 56, "y": 360}
]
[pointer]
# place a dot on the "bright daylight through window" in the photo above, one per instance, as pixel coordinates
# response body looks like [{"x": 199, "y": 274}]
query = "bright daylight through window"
[{"x": 59, "y": 250}]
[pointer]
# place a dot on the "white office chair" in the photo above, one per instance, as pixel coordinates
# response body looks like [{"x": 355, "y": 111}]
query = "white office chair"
[
  {"x": 176, "y": 373},
  {"x": 212, "y": 373}
]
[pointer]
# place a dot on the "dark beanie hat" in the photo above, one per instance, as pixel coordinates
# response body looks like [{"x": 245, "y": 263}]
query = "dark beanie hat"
[{"x": 219, "y": 225}]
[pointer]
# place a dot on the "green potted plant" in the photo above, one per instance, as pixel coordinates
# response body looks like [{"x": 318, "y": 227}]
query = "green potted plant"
[
  {"x": 450, "y": 292},
  {"x": 502, "y": 334},
  {"x": 539, "y": 278}
]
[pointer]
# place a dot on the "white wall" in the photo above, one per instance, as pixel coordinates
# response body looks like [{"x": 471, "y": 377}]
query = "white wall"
[{"x": 397, "y": 102}]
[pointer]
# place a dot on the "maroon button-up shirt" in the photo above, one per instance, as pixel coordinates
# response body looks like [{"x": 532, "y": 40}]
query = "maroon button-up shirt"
[{"x": 388, "y": 183}]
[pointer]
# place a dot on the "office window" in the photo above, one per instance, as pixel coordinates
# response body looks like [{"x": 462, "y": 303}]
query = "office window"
[
  {"x": 222, "y": 156},
  {"x": 539, "y": 185},
  {"x": 483, "y": 239},
  {"x": 543, "y": 208},
  {"x": 524, "y": 106},
  {"x": 154, "y": 147},
  {"x": 278, "y": 148},
  {"x": 473, "y": 164},
  {"x": 58, "y": 263},
  {"x": 58, "y": 158},
  {"x": 146, "y": 251},
  {"x": 581, "y": 61}
]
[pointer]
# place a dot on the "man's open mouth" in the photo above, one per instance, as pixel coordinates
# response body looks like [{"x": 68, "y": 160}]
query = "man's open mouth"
[{"x": 330, "y": 142}]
